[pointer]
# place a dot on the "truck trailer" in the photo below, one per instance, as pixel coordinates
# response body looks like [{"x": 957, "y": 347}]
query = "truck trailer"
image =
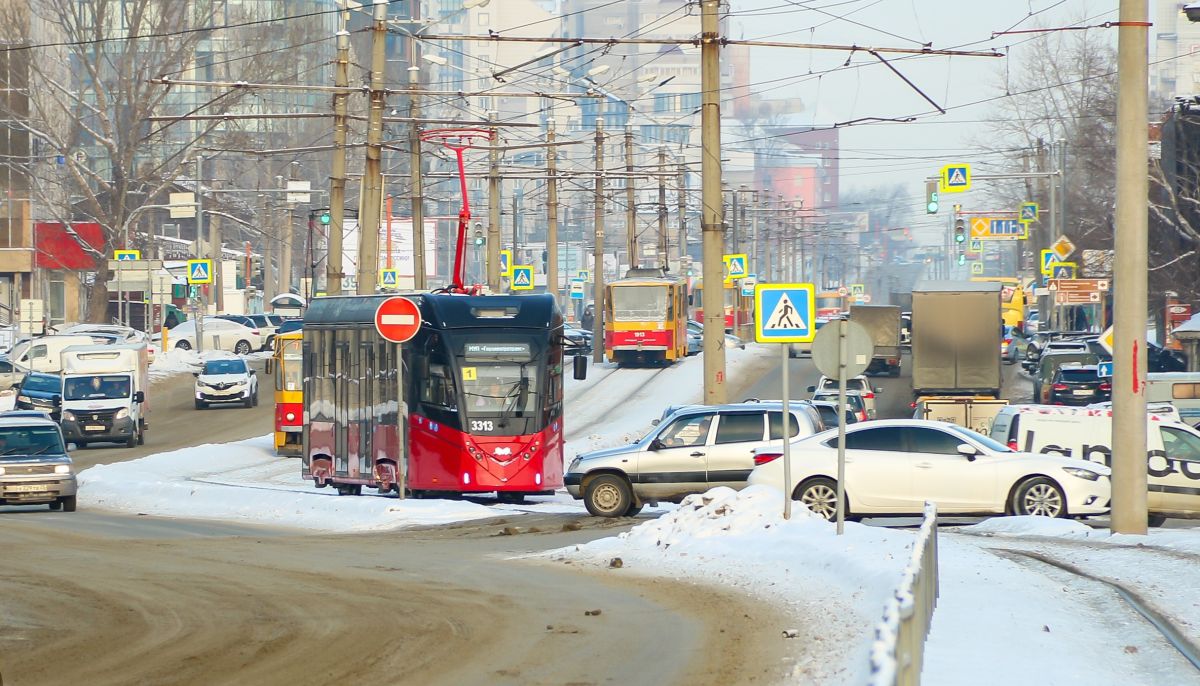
[
  {"x": 956, "y": 333},
  {"x": 882, "y": 322}
]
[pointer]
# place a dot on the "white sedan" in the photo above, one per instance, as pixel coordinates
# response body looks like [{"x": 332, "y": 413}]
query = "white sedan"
[
  {"x": 894, "y": 466},
  {"x": 219, "y": 334}
]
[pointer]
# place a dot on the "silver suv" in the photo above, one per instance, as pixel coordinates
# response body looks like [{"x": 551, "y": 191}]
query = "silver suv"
[
  {"x": 34, "y": 466},
  {"x": 694, "y": 449}
]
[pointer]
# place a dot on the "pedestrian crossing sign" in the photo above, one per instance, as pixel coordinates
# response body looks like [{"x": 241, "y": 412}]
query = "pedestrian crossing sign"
[
  {"x": 784, "y": 312},
  {"x": 522, "y": 278},
  {"x": 1048, "y": 258},
  {"x": 127, "y": 255},
  {"x": 389, "y": 278},
  {"x": 506, "y": 265},
  {"x": 199, "y": 271},
  {"x": 735, "y": 266},
  {"x": 956, "y": 178}
]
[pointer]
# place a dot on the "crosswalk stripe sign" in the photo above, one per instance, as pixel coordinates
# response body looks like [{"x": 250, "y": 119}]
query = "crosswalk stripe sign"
[
  {"x": 736, "y": 265},
  {"x": 522, "y": 279},
  {"x": 506, "y": 264},
  {"x": 388, "y": 277},
  {"x": 785, "y": 316},
  {"x": 784, "y": 313},
  {"x": 199, "y": 271}
]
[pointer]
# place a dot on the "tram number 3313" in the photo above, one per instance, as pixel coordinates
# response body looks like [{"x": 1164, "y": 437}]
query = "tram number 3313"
[{"x": 478, "y": 425}]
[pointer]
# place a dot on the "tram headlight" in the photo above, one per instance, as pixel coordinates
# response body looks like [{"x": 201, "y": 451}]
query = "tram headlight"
[{"x": 290, "y": 416}]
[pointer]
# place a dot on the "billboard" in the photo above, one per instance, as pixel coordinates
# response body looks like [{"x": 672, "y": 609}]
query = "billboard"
[
  {"x": 58, "y": 249},
  {"x": 401, "y": 250}
]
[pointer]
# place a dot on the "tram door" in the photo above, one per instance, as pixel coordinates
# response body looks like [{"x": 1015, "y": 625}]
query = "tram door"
[{"x": 341, "y": 403}]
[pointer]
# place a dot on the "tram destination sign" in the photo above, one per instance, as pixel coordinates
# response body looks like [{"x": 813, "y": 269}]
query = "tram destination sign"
[{"x": 397, "y": 319}]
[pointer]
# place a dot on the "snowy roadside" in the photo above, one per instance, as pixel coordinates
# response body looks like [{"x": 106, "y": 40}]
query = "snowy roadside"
[
  {"x": 246, "y": 482},
  {"x": 177, "y": 361}
]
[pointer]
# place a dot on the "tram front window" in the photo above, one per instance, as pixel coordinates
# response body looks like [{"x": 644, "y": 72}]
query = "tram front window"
[
  {"x": 639, "y": 303},
  {"x": 501, "y": 385}
]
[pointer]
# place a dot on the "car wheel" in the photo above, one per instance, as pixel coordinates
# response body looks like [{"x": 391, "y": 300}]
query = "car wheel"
[
  {"x": 1039, "y": 497},
  {"x": 131, "y": 441},
  {"x": 242, "y": 348},
  {"x": 200, "y": 405},
  {"x": 349, "y": 489},
  {"x": 1156, "y": 520},
  {"x": 68, "y": 503},
  {"x": 56, "y": 505},
  {"x": 819, "y": 496},
  {"x": 608, "y": 495},
  {"x": 183, "y": 345},
  {"x": 634, "y": 509},
  {"x": 249, "y": 401},
  {"x": 142, "y": 436}
]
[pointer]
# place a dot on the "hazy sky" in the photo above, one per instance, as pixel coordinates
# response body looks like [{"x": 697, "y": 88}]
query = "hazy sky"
[{"x": 900, "y": 153}]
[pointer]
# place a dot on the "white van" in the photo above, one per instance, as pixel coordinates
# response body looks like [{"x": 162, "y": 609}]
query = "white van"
[
  {"x": 1173, "y": 458},
  {"x": 104, "y": 394},
  {"x": 45, "y": 354},
  {"x": 1181, "y": 389}
]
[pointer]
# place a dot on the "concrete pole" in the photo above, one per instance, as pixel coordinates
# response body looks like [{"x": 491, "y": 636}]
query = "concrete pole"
[
  {"x": 631, "y": 241},
  {"x": 598, "y": 250},
  {"x": 285, "y": 251},
  {"x": 418, "y": 193},
  {"x": 1129, "y": 309},
  {"x": 372, "y": 204},
  {"x": 493, "y": 231},
  {"x": 682, "y": 210},
  {"x": 337, "y": 178},
  {"x": 713, "y": 231},
  {"x": 269, "y": 233},
  {"x": 516, "y": 238},
  {"x": 664, "y": 242},
  {"x": 552, "y": 276}
]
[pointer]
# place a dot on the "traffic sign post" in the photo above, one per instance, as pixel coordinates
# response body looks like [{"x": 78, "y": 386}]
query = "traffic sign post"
[
  {"x": 955, "y": 178},
  {"x": 1063, "y": 248},
  {"x": 844, "y": 349},
  {"x": 976, "y": 268},
  {"x": 998, "y": 228},
  {"x": 397, "y": 319},
  {"x": 576, "y": 289},
  {"x": 127, "y": 255},
  {"x": 522, "y": 278},
  {"x": 1104, "y": 370},
  {"x": 1062, "y": 270}
]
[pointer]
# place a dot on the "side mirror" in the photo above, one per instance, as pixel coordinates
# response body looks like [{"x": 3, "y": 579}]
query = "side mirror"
[
  {"x": 139, "y": 397},
  {"x": 196, "y": 374},
  {"x": 878, "y": 391},
  {"x": 655, "y": 422},
  {"x": 968, "y": 451},
  {"x": 655, "y": 445},
  {"x": 580, "y": 363},
  {"x": 812, "y": 389}
]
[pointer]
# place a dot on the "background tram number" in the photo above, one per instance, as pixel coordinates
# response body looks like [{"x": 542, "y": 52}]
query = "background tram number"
[{"x": 479, "y": 425}]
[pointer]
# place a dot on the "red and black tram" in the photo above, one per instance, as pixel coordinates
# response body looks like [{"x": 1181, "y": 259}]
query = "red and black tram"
[{"x": 482, "y": 396}]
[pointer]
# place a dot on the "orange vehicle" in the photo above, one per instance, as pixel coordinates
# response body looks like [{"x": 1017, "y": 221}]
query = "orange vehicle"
[
  {"x": 732, "y": 296},
  {"x": 832, "y": 304},
  {"x": 287, "y": 365},
  {"x": 646, "y": 319}
]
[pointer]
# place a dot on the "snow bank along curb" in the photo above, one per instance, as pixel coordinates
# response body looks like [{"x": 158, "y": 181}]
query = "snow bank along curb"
[
  {"x": 899, "y": 648},
  {"x": 831, "y": 587}
]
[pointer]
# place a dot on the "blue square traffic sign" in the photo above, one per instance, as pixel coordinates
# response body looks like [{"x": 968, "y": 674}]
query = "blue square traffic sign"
[
  {"x": 1104, "y": 370},
  {"x": 784, "y": 312}
]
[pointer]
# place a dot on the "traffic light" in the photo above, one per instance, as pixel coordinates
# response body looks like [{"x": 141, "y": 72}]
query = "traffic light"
[
  {"x": 545, "y": 261},
  {"x": 962, "y": 259},
  {"x": 478, "y": 238},
  {"x": 326, "y": 217},
  {"x": 931, "y": 197},
  {"x": 960, "y": 231}
]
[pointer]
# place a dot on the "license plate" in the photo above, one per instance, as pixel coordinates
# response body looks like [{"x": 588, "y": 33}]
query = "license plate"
[
  {"x": 93, "y": 427},
  {"x": 29, "y": 488},
  {"x": 1083, "y": 392}
]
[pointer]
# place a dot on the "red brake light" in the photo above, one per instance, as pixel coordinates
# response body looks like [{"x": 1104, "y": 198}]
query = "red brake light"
[
  {"x": 1012, "y": 444},
  {"x": 763, "y": 458},
  {"x": 1105, "y": 386},
  {"x": 255, "y": 332},
  {"x": 869, "y": 396},
  {"x": 912, "y": 405},
  {"x": 1060, "y": 387},
  {"x": 862, "y": 416}
]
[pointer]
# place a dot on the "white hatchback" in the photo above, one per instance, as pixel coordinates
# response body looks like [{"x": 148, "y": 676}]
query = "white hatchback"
[
  {"x": 226, "y": 380},
  {"x": 893, "y": 466}
]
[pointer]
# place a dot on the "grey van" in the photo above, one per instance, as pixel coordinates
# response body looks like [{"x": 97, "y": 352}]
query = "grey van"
[{"x": 696, "y": 448}]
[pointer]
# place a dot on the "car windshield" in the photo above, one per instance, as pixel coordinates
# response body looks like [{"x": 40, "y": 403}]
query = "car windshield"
[
  {"x": 98, "y": 387},
  {"x": 225, "y": 367},
  {"x": 854, "y": 402},
  {"x": 1079, "y": 375},
  {"x": 639, "y": 303},
  {"x": 18, "y": 441},
  {"x": 42, "y": 384},
  {"x": 988, "y": 443}
]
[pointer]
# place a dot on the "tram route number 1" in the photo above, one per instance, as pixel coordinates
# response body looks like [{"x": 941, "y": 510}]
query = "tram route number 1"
[{"x": 482, "y": 425}]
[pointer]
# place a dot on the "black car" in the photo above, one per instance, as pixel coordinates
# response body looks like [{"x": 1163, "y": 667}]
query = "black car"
[
  {"x": 42, "y": 392},
  {"x": 289, "y": 325},
  {"x": 1079, "y": 386}
]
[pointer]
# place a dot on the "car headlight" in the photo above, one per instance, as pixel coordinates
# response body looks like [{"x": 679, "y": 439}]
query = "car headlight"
[
  {"x": 574, "y": 465},
  {"x": 23, "y": 399},
  {"x": 1082, "y": 473},
  {"x": 123, "y": 413},
  {"x": 68, "y": 416},
  {"x": 62, "y": 469}
]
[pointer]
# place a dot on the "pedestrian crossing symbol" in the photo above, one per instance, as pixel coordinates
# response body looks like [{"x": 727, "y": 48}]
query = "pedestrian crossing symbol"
[
  {"x": 522, "y": 279},
  {"x": 784, "y": 312},
  {"x": 199, "y": 271},
  {"x": 506, "y": 263},
  {"x": 956, "y": 178},
  {"x": 389, "y": 278}
]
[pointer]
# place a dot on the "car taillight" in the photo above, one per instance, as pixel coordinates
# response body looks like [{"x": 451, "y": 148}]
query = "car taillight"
[
  {"x": 862, "y": 416},
  {"x": 763, "y": 458},
  {"x": 912, "y": 405},
  {"x": 869, "y": 396},
  {"x": 1007, "y": 341},
  {"x": 1060, "y": 387},
  {"x": 1105, "y": 386},
  {"x": 255, "y": 332},
  {"x": 1012, "y": 444}
]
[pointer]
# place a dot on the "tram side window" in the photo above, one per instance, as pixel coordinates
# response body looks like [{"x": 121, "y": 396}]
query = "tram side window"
[
  {"x": 437, "y": 390},
  {"x": 554, "y": 365}
]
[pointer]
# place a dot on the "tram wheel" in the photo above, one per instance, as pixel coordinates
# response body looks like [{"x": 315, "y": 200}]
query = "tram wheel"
[{"x": 510, "y": 498}]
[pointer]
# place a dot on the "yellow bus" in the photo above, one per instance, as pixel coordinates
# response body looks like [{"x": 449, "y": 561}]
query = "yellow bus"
[
  {"x": 1012, "y": 298},
  {"x": 287, "y": 365}
]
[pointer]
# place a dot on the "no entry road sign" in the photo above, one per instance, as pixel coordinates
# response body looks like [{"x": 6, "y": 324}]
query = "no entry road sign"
[{"x": 397, "y": 319}]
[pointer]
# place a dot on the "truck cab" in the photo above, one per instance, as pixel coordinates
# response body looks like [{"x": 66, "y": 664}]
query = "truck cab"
[{"x": 104, "y": 394}]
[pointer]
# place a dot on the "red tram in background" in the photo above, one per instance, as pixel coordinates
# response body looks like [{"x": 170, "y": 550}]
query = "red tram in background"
[{"x": 482, "y": 392}]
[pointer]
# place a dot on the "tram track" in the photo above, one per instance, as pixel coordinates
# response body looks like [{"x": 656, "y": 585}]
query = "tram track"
[
  {"x": 596, "y": 414},
  {"x": 1162, "y": 624}
]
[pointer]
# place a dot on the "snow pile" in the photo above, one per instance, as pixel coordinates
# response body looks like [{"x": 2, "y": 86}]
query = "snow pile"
[
  {"x": 246, "y": 482},
  {"x": 1182, "y": 540},
  {"x": 179, "y": 361},
  {"x": 832, "y": 587},
  {"x": 8, "y": 400}
]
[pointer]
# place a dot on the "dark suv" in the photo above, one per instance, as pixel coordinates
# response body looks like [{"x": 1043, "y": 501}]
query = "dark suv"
[
  {"x": 41, "y": 392},
  {"x": 1079, "y": 386}
]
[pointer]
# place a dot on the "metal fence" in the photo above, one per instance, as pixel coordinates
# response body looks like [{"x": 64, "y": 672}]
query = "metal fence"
[{"x": 899, "y": 648}]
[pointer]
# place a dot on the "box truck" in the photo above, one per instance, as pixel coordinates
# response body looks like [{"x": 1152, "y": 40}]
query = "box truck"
[
  {"x": 104, "y": 397},
  {"x": 956, "y": 333},
  {"x": 882, "y": 323}
]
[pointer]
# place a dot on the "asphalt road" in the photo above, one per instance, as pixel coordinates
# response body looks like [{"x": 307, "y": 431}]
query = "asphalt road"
[{"x": 892, "y": 399}]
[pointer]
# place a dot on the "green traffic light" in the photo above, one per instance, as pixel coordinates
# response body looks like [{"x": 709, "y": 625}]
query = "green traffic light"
[
  {"x": 959, "y": 237},
  {"x": 325, "y": 218},
  {"x": 962, "y": 259}
]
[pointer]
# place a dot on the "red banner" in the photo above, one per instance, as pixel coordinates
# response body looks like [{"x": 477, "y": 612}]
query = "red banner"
[{"x": 57, "y": 249}]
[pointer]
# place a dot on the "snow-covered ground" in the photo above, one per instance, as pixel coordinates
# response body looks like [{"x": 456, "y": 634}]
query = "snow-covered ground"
[
  {"x": 177, "y": 361},
  {"x": 247, "y": 482}
]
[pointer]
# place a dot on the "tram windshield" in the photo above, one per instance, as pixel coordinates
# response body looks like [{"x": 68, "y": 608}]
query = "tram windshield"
[
  {"x": 291, "y": 373},
  {"x": 639, "y": 303},
  {"x": 500, "y": 380}
]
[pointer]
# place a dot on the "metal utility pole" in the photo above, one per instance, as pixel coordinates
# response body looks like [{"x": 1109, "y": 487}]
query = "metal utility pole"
[
  {"x": 414, "y": 146},
  {"x": 337, "y": 178},
  {"x": 664, "y": 243},
  {"x": 493, "y": 232},
  {"x": 551, "y": 212},
  {"x": 199, "y": 239},
  {"x": 711, "y": 209},
  {"x": 598, "y": 251},
  {"x": 372, "y": 204},
  {"x": 1130, "y": 275},
  {"x": 631, "y": 242}
]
